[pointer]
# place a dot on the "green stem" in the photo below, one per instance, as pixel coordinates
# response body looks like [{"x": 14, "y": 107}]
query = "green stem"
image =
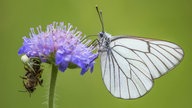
[{"x": 52, "y": 85}]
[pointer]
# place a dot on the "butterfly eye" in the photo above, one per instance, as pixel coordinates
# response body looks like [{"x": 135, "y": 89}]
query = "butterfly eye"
[{"x": 101, "y": 34}]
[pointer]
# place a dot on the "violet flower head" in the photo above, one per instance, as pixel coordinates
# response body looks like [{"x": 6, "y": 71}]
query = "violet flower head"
[{"x": 62, "y": 45}]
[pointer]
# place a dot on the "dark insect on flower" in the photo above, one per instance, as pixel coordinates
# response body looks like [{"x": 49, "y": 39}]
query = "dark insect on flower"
[{"x": 32, "y": 78}]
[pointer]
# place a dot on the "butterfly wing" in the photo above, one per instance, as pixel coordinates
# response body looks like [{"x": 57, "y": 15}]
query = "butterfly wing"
[{"x": 131, "y": 64}]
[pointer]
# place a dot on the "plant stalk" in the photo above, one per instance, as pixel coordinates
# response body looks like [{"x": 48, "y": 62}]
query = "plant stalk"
[{"x": 52, "y": 86}]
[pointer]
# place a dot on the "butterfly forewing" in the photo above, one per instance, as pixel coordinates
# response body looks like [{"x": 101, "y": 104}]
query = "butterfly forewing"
[{"x": 130, "y": 64}]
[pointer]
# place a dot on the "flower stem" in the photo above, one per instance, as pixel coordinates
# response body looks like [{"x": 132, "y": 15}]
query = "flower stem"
[{"x": 52, "y": 86}]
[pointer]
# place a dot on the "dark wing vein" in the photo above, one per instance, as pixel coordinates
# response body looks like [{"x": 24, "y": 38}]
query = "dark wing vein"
[
  {"x": 163, "y": 55},
  {"x": 153, "y": 63},
  {"x": 170, "y": 53},
  {"x": 159, "y": 59},
  {"x": 105, "y": 66},
  {"x": 178, "y": 51},
  {"x": 108, "y": 55},
  {"x": 114, "y": 76},
  {"x": 129, "y": 63},
  {"x": 127, "y": 47}
]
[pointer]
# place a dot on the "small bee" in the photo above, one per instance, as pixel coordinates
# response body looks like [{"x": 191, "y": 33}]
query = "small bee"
[{"x": 33, "y": 74}]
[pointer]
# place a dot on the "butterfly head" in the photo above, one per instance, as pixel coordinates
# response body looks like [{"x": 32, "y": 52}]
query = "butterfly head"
[
  {"x": 104, "y": 35},
  {"x": 101, "y": 35},
  {"x": 104, "y": 41}
]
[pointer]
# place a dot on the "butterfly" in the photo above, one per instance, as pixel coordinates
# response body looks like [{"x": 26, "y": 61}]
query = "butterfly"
[{"x": 129, "y": 64}]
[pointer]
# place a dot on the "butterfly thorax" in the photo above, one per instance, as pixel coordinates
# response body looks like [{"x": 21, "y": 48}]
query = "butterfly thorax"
[{"x": 104, "y": 41}]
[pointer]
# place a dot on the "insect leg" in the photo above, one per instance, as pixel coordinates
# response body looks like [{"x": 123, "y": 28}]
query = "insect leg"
[
  {"x": 41, "y": 82},
  {"x": 22, "y": 77},
  {"x": 94, "y": 43}
]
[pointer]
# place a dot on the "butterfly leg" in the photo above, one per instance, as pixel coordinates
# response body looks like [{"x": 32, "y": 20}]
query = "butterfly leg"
[{"x": 94, "y": 43}]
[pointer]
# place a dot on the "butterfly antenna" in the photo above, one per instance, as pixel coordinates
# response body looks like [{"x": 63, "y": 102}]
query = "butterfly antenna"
[{"x": 100, "y": 17}]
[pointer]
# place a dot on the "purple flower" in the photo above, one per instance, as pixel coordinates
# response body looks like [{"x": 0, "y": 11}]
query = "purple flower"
[{"x": 61, "y": 45}]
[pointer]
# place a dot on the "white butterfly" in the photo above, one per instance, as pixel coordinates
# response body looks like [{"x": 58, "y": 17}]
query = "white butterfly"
[{"x": 130, "y": 64}]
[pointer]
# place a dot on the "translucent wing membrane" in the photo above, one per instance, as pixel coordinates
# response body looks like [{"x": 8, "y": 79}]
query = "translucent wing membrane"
[{"x": 130, "y": 64}]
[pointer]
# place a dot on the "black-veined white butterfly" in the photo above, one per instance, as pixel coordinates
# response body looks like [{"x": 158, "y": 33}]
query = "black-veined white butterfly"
[{"x": 130, "y": 64}]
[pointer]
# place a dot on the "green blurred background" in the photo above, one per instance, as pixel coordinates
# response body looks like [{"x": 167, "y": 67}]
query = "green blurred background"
[{"x": 161, "y": 19}]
